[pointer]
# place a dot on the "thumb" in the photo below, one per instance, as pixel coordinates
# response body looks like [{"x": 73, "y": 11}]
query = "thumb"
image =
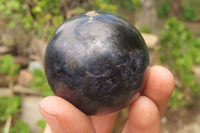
[{"x": 63, "y": 117}]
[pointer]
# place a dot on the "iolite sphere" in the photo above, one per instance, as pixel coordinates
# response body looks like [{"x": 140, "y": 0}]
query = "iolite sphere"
[{"x": 96, "y": 61}]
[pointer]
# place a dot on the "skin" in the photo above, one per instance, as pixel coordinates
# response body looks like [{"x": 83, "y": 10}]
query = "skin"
[{"x": 144, "y": 113}]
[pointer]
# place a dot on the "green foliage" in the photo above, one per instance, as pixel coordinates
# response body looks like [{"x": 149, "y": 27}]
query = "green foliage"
[
  {"x": 128, "y": 5},
  {"x": 13, "y": 9},
  {"x": 194, "y": 4},
  {"x": 25, "y": 20},
  {"x": 19, "y": 127},
  {"x": 79, "y": 10},
  {"x": 47, "y": 14},
  {"x": 32, "y": 14},
  {"x": 180, "y": 51},
  {"x": 132, "y": 4},
  {"x": 42, "y": 8},
  {"x": 177, "y": 99},
  {"x": 189, "y": 13},
  {"x": 9, "y": 106},
  {"x": 41, "y": 123},
  {"x": 106, "y": 5},
  {"x": 8, "y": 66},
  {"x": 113, "y": 6},
  {"x": 40, "y": 83},
  {"x": 145, "y": 29},
  {"x": 189, "y": 9},
  {"x": 164, "y": 9},
  {"x": 136, "y": 4}
]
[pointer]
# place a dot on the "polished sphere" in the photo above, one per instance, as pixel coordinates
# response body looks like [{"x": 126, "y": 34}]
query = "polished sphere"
[{"x": 96, "y": 61}]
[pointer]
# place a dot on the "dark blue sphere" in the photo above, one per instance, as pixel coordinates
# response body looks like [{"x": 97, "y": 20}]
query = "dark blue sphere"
[{"x": 96, "y": 61}]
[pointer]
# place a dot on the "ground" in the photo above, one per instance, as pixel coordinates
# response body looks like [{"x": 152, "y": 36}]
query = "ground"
[
  {"x": 182, "y": 120},
  {"x": 175, "y": 120}
]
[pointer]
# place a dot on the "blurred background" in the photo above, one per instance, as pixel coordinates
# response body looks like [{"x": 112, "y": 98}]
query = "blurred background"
[{"x": 171, "y": 29}]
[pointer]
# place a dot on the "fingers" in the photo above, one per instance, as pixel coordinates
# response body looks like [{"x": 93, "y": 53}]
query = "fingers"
[
  {"x": 145, "y": 112},
  {"x": 144, "y": 117},
  {"x": 63, "y": 117},
  {"x": 105, "y": 123},
  {"x": 159, "y": 87},
  {"x": 47, "y": 129}
]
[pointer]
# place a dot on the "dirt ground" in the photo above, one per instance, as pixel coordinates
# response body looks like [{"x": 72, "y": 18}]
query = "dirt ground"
[
  {"x": 175, "y": 120},
  {"x": 182, "y": 120}
]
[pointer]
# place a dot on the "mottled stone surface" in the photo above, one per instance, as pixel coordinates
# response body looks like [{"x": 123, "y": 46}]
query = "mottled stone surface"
[{"x": 96, "y": 60}]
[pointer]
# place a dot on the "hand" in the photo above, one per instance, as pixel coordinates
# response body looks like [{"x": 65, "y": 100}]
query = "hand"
[{"x": 144, "y": 113}]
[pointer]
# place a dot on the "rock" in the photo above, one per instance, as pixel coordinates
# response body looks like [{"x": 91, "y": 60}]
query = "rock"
[
  {"x": 37, "y": 48},
  {"x": 4, "y": 49},
  {"x": 151, "y": 40},
  {"x": 25, "y": 77},
  {"x": 34, "y": 65},
  {"x": 196, "y": 70},
  {"x": 164, "y": 120},
  {"x": 24, "y": 90},
  {"x": 7, "y": 38},
  {"x": 5, "y": 80},
  {"x": 23, "y": 61},
  {"x": 5, "y": 92},
  {"x": 30, "y": 112}
]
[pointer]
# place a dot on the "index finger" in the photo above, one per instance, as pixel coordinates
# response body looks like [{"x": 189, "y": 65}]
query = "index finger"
[{"x": 159, "y": 86}]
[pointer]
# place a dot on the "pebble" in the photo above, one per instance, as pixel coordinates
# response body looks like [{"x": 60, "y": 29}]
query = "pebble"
[
  {"x": 164, "y": 120},
  {"x": 30, "y": 112},
  {"x": 34, "y": 65},
  {"x": 151, "y": 40},
  {"x": 25, "y": 77},
  {"x": 5, "y": 92},
  {"x": 4, "y": 49}
]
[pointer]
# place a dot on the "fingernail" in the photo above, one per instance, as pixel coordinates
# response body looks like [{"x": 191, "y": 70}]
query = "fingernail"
[
  {"x": 50, "y": 118},
  {"x": 52, "y": 121}
]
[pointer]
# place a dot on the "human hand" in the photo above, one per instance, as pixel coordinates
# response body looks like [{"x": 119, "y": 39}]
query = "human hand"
[{"x": 144, "y": 113}]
